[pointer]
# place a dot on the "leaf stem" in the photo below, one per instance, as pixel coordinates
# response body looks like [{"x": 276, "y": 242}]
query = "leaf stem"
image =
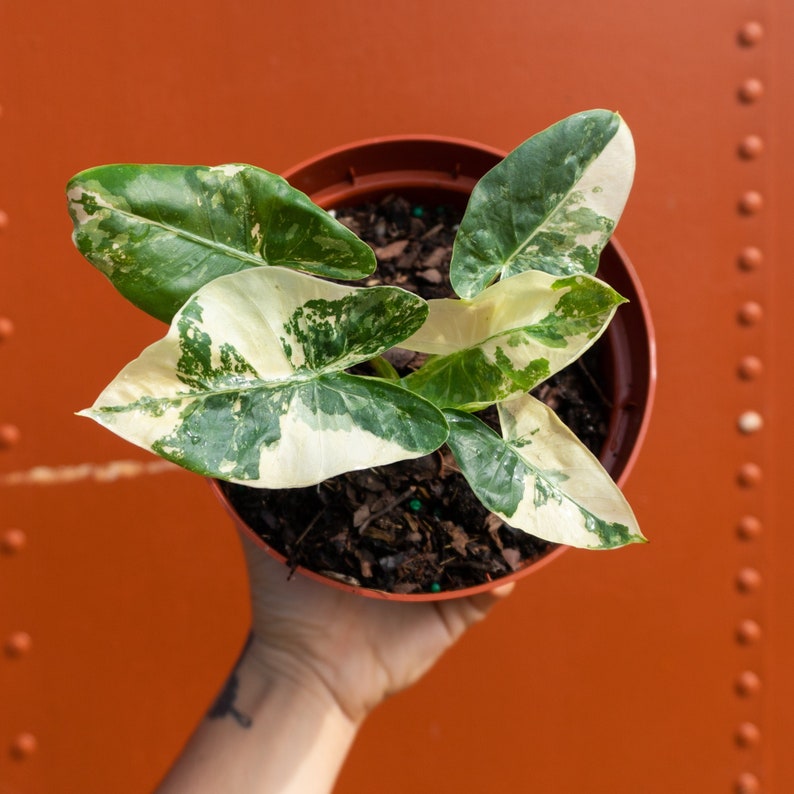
[{"x": 384, "y": 369}]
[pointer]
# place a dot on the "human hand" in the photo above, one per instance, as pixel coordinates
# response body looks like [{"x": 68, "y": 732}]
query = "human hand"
[
  {"x": 319, "y": 660},
  {"x": 359, "y": 650}
]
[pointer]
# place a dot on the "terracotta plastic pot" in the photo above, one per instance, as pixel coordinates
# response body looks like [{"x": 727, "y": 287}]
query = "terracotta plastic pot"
[{"x": 430, "y": 169}]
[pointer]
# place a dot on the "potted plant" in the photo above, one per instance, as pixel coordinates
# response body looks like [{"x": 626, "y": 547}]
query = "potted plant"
[{"x": 277, "y": 374}]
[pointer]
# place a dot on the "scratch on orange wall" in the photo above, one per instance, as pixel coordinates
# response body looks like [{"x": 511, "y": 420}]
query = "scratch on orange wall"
[{"x": 94, "y": 472}]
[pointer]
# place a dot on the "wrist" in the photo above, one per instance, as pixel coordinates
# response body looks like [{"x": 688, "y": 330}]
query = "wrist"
[
  {"x": 268, "y": 668},
  {"x": 272, "y": 729}
]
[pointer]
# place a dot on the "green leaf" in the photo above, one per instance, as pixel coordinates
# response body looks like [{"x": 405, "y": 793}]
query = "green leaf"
[
  {"x": 509, "y": 338},
  {"x": 539, "y": 478},
  {"x": 249, "y": 383},
  {"x": 159, "y": 232},
  {"x": 550, "y": 205}
]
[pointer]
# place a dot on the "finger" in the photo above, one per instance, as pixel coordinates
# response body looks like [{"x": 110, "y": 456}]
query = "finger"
[
  {"x": 485, "y": 601},
  {"x": 503, "y": 590}
]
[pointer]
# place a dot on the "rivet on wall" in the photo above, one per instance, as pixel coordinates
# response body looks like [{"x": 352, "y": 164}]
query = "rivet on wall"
[
  {"x": 748, "y": 783},
  {"x": 749, "y": 475},
  {"x": 750, "y": 313},
  {"x": 751, "y": 33},
  {"x": 751, "y": 147},
  {"x": 751, "y": 90},
  {"x": 6, "y": 329},
  {"x": 749, "y": 528},
  {"x": 748, "y": 735},
  {"x": 23, "y": 746},
  {"x": 748, "y": 580},
  {"x": 748, "y": 632},
  {"x": 750, "y": 422},
  {"x": 748, "y": 684},
  {"x": 751, "y": 202},
  {"x": 18, "y": 644},
  {"x": 750, "y": 368},
  {"x": 750, "y": 258},
  {"x": 13, "y": 540},
  {"x": 9, "y": 436}
]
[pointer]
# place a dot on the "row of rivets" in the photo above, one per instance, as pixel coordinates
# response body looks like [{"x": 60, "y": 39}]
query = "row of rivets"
[
  {"x": 9, "y": 434},
  {"x": 12, "y": 541},
  {"x": 18, "y": 644},
  {"x": 6, "y": 326},
  {"x": 750, "y": 314}
]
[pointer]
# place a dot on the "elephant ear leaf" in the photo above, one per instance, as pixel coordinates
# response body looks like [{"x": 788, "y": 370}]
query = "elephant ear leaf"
[
  {"x": 539, "y": 478},
  {"x": 550, "y": 205},
  {"x": 274, "y": 408},
  {"x": 159, "y": 232}
]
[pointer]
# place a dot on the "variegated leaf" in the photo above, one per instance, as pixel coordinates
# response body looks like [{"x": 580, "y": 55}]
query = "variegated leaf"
[
  {"x": 539, "y": 478},
  {"x": 550, "y": 205},
  {"x": 509, "y": 338},
  {"x": 159, "y": 232},
  {"x": 248, "y": 384}
]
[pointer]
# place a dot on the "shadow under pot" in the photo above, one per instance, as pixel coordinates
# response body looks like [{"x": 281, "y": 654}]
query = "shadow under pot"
[{"x": 414, "y": 531}]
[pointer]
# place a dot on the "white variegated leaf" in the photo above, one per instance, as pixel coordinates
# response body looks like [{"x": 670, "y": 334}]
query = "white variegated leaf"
[
  {"x": 509, "y": 338},
  {"x": 248, "y": 384},
  {"x": 159, "y": 232},
  {"x": 540, "y": 478},
  {"x": 550, "y": 205}
]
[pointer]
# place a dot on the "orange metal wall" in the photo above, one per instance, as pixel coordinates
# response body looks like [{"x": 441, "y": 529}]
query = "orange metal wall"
[{"x": 122, "y": 604}]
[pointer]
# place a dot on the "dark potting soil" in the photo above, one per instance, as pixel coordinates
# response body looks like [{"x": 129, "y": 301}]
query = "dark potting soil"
[{"x": 413, "y": 526}]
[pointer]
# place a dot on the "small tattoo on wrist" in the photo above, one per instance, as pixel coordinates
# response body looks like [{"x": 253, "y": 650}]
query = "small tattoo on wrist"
[{"x": 224, "y": 704}]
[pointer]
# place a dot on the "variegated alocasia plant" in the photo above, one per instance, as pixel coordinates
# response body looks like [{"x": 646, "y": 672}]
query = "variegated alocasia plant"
[{"x": 252, "y": 382}]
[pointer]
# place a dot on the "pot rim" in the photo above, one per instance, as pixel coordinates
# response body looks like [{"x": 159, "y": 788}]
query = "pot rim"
[
  {"x": 351, "y": 172},
  {"x": 436, "y": 162}
]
